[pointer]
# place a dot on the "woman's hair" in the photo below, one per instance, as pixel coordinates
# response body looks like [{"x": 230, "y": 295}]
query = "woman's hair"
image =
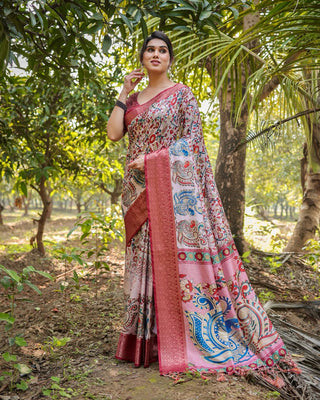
[{"x": 157, "y": 35}]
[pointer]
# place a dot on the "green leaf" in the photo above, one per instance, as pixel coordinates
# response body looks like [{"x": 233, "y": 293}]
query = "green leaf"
[
  {"x": 78, "y": 259},
  {"x": 106, "y": 44},
  {"x": 205, "y": 15},
  {"x": 22, "y": 385},
  {"x": 94, "y": 28},
  {"x": 72, "y": 230},
  {"x": 34, "y": 287},
  {"x": 144, "y": 28},
  {"x": 6, "y": 282},
  {"x": 127, "y": 22},
  {"x": 55, "y": 386},
  {"x": 4, "y": 51},
  {"x": 23, "y": 369},
  {"x": 45, "y": 274},
  {"x": 234, "y": 11},
  {"x": 63, "y": 393},
  {"x": 32, "y": 19},
  {"x": 246, "y": 254},
  {"x": 7, "y": 318},
  {"x": 20, "y": 341},
  {"x": 24, "y": 189},
  {"x": 9, "y": 357},
  {"x": 13, "y": 275}
]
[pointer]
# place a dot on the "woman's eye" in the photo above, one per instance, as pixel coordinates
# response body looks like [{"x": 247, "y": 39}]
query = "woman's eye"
[
  {"x": 163, "y": 51},
  {"x": 149, "y": 50}
]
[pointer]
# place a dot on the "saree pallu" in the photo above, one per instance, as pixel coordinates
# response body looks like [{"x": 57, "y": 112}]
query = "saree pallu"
[{"x": 189, "y": 302}]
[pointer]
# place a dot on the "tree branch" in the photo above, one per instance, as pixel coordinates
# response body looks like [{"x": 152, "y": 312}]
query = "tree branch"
[{"x": 276, "y": 125}]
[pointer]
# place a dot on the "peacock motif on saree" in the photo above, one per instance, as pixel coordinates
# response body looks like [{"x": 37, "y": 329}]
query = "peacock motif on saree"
[
  {"x": 191, "y": 233},
  {"x": 181, "y": 147},
  {"x": 219, "y": 337},
  {"x": 186, "y": 203},
  {"x": 182, "y": 172}
]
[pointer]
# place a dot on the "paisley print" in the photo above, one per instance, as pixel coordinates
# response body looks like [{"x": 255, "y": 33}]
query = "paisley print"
[
  {"x": 182, "y": 172},
  {"x": 186, "y": 203},
  {"x": 129, "y": 194},
  {"x": 191, "y": 233},
  {"x": 258, "y": 332}
]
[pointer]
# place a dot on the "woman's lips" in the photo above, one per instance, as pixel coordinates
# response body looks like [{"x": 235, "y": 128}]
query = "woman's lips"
[{"x": 155, "y": 62}]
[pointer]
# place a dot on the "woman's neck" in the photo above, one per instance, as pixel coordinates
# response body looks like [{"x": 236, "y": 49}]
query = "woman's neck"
[{"x": 158, "y": 81}]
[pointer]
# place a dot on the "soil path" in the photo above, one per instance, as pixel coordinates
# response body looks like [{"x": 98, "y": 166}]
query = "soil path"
[{"x": 72, "y": 330}]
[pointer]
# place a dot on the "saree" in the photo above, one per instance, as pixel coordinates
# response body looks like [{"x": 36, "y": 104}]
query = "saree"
[{"x": 189, "y": 304}]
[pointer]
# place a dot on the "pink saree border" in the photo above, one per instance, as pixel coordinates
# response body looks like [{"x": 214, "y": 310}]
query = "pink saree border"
[{"x": 169, "y": 313}]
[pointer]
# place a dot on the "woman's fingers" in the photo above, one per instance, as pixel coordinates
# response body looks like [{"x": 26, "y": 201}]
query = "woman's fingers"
[
  {"x": 138, "y": 163},
  {"x": 134, "y": 78}
]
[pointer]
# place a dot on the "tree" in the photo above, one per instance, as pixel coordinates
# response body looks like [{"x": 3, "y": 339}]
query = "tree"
[
  {"x": 43, "y": 128},
  {"x": 292, "y": 33},
  {"x": 248, "y": 64}
]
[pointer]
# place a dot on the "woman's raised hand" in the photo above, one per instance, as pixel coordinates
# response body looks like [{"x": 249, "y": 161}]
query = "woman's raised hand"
[
  {"x": 138, "y": 163},
  {"x": 131, "y": 80}
]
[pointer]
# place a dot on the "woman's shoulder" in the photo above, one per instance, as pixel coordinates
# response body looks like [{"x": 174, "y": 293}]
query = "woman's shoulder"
[
  {"x": 184, "y": 88},
  {"x": 186, "y": 92}
]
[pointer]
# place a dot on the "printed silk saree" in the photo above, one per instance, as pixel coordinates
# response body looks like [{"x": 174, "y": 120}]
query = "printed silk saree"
[{"x": 190, "y": 304}]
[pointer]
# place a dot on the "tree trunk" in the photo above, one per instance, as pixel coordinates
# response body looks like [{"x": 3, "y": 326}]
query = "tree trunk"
[
  {"x": 46, "y": 201},
  {"x": 49, "y": 191},
  {"x": 26, "y": 204},
  {"x": 309, "y": 217},
  {"x": 230, "y": 168},
  {"x": 50, "y": 208},
  {"x": 1, "y": 209},
  {"x": 116, "y": 193}
]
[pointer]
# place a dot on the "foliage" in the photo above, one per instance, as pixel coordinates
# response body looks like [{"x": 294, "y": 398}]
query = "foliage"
[
  {"x": 55, "y": 344},
  {"x": 14, "y": 368},
  {"x": 97, "y": 231},
  {"x": 50, "y": 35},
  {"x": 13, "y": 283},
  {"x": 272, "y": 178},
  {"x": 265, "y": 296},
  {"x": 56, "y": 391},
  {"x": 52, "y": 119},
  {"x": 312, "y": 256}
]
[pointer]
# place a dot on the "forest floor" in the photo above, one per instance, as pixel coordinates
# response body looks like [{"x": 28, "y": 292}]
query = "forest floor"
[{"x": 71, "y": 329}]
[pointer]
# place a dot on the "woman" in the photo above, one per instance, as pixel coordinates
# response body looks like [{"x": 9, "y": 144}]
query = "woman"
[{"x": 190, "y": 303}]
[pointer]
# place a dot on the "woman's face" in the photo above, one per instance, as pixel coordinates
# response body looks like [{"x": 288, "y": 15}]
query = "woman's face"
[{"x": 156, "y": 56}]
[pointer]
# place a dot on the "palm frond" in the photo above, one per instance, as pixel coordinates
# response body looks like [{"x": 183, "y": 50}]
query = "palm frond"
[{"x": 270, "y": 130}]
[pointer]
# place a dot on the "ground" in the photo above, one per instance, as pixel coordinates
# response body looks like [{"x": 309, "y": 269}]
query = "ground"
[{"x": 71, "y": 329}]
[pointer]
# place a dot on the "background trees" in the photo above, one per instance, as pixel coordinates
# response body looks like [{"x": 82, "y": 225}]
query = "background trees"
[{"x": 55, "y": 106}]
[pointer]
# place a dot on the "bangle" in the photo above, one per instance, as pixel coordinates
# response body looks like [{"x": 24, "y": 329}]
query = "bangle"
[{"x": 121, "y": 105}]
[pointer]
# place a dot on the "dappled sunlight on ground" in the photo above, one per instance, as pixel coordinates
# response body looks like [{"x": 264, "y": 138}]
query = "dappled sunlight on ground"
[{"x": 267, "y": 235}]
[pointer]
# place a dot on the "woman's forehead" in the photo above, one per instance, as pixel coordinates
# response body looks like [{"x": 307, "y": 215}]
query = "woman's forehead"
[{"x": 157, "y": 43}]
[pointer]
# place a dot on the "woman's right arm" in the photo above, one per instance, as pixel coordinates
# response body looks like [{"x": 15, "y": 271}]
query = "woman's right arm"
[{"x": 115, "y": 126}]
